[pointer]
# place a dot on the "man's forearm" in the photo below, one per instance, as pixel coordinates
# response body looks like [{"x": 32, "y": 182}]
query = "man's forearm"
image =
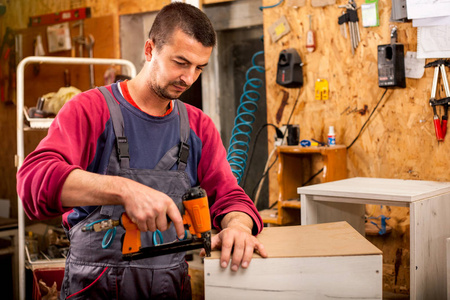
[
  {"x": 237, "y": 219},
  {"x": 83, "y": 188}
]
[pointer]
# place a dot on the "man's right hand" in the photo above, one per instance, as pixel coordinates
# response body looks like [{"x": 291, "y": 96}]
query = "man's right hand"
[
  {"x": 146, "y": 207},
  {"x": 149, "y": 209}
]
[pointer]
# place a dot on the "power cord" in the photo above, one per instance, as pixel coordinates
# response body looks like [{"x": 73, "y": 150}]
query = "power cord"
[
  {"x": 367, "y": 121},
  {"x": 279, "y": 134}
]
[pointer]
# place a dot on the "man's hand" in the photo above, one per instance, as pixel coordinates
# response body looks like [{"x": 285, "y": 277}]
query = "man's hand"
[
  {"x": 236, "y": 236},
  {"x": 149, "y": 208},
  {"x": 146, "y": 207}
]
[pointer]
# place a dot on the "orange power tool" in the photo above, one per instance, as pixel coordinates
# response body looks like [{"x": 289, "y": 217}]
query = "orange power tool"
[{"x": 196, "y": 220}]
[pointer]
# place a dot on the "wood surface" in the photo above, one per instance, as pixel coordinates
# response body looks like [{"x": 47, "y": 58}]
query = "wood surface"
[
  {"x": 419, "y": 265},
  {"x": 399, "y": 141},
  {"x": 331, "y": 239},
  {"x": 323, "y": 261},
  {"x": 296, "y": 165},
  {"x": 430, "y": 226},
  {"x": 395, "y": 190},
  {"x": 448, "y": 267},
  {"x": 337, "y": 277}
]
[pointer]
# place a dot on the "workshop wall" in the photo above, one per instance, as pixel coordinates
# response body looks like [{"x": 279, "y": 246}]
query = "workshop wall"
[{"x": 399, "y": 140}]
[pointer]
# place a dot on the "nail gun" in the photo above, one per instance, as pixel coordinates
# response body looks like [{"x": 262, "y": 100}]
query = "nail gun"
[{"x": 196, "y": 220}]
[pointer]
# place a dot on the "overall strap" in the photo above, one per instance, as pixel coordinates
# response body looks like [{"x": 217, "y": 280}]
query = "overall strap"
[
  {"x": 179, "y": 153},
  {"x": 118, "y": 124}
]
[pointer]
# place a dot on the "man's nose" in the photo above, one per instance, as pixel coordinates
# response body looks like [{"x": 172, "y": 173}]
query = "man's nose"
[{"x": 189, "y": 76}]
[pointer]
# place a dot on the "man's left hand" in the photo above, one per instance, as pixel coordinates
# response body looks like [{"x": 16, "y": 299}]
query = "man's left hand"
[{"x": 236, "y": 241}]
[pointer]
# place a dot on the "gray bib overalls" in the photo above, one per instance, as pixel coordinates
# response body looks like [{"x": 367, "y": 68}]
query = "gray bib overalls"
[{"x": 95, "y": 273}]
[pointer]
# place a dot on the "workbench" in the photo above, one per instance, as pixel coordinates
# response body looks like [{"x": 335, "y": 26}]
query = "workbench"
[
  {"x": 429, "y": 204},
  {"x": 323, "y": 261}
]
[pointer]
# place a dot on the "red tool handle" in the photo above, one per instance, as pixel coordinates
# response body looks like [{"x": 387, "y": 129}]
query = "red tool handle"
[
  {"x": 437, "y": 128},
  {"x": 444, "y": 127}
]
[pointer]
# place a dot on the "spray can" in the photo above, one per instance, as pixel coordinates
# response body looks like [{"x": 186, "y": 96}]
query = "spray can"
[{"x": 331, "y": 136}]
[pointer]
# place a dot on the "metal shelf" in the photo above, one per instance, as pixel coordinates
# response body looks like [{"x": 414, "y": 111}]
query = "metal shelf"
[{"x": 21, "y": 128}]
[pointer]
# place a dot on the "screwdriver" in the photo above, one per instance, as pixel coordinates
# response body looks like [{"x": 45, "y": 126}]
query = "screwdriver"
[{"x": 310, "y": 39}]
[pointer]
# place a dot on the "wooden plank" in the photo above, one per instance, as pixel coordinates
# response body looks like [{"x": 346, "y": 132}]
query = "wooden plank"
[
  {"x": 139, "y": 6},
  {"x": 291, "y": 203},
  {"x": 215, "y": 1},
  {"x": 316, "y": 212},
  {"x": 235, "y": 15},
  {"x": 337, "y": 277},
  {"x": 269, "y": 216},
  {"x": 448, "y": 268},
  {"x": 331, "y": 239},
  {"x": 430, "y": 226},
  {"x": 378, "y": 188}
]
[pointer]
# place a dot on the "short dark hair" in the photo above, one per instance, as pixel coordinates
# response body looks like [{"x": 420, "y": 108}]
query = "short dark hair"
[{"x": 191, "y": 20}]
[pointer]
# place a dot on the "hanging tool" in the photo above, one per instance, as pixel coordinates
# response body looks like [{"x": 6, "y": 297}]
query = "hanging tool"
[
  {"x": 90, "y": 41},
  {"x": 342, "y": 21},
  {"x": 196, "y": 220},
  {"x": 87, "y": 42},
  {"x": 351, "y": 17},
  {"x": 439, "y": 127},
  {"x": 310, "y": 38}
]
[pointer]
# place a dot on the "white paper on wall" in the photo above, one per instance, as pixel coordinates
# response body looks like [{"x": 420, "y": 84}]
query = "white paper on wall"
[
  {"x": 58, "y": 37},
  {"x": 433, "y": 42}
]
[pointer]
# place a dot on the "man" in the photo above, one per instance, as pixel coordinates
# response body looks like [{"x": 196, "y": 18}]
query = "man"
[{"x": 131, "y": 148}]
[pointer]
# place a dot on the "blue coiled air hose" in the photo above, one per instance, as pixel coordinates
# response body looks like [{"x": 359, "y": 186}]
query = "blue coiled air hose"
[{"x": 240, "y": 135}]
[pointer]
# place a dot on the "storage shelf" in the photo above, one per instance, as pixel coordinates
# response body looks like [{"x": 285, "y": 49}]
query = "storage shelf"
[{"x": 42, "y": 125}]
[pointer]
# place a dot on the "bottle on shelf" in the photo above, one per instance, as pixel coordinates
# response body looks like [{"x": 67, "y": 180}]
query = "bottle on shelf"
[{"x": 331, "y": 136}]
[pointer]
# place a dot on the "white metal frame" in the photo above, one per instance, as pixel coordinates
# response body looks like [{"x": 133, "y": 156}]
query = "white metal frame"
[{"x": 20, "y": 139}]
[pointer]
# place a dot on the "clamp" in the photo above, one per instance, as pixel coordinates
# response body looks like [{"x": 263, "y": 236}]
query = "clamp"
[{"x": 439, "y": 127}]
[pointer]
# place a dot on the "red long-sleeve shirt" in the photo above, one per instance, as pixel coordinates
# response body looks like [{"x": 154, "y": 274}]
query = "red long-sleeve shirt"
[{"x": 82, "y": 136}]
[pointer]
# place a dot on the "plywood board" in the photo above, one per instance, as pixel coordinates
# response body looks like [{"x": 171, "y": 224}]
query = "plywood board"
[
  {"x": 379, "y": 189},
  {"x": 330, "y": 239},
  {"x": 339, "y": 277}
]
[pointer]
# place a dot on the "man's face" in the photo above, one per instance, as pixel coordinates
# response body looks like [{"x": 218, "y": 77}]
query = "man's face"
[{"x": 176, "y": 66}]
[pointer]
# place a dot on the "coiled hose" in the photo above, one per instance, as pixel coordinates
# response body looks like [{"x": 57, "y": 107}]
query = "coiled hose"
[{"x": 240, "y": 135}]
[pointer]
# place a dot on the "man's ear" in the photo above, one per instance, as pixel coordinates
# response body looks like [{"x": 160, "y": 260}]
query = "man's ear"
[{"x": 149, "y": 48}]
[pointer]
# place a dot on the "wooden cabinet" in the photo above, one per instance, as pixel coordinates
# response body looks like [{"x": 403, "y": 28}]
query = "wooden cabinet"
[
  {"x": 323, "y": 261},
  {"x": 295, "y": 168},
  {"x": 429, "y": 205}
]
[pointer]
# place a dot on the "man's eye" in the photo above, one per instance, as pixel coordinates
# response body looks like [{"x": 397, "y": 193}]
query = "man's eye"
[{"x": 180, "y": 63}]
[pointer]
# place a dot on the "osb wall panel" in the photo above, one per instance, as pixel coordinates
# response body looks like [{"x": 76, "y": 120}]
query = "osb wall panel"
[
  {"x": 399, "y": 140},
  {"x": 19, "y": 11}
]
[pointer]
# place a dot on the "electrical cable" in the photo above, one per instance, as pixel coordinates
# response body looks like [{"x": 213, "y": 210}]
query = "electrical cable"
[
  {"x": 265, "y": 172},
  {"x": 240, "y": 135},
  {"x": 279, "y": 136},
  {"x": 365, "y": 123},
  {"x": 262, "y": 177}
]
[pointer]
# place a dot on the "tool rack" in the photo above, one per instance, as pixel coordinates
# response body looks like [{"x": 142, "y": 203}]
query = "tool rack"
[{"x": 20, "y": 136}]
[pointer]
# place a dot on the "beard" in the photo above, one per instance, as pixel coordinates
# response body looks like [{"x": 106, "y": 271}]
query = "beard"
[{"x": 163, "y": 91}]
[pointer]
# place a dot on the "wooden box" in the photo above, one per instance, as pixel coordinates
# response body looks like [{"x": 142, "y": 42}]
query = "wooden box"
[
  {"x": 429, "y": 204},
  {"x": 323, "y": 261}
]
